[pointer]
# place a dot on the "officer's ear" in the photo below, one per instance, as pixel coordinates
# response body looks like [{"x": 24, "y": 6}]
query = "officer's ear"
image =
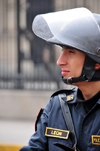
[{"x": 97, "y": 66}]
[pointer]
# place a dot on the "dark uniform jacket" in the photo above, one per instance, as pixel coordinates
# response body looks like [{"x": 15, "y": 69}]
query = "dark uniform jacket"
[{"x": 51, "y": 127}]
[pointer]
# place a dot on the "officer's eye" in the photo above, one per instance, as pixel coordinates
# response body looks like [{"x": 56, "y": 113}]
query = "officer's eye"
[{"x": 71, "y": 51}]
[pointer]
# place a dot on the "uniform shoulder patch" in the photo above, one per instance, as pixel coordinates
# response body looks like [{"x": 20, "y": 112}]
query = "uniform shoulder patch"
[
  {"x": 70, "y": 97},
  {"x": 38, "y": 116}
]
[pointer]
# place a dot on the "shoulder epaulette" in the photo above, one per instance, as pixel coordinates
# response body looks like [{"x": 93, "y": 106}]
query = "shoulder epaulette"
[{"x": 63, "y": 91}]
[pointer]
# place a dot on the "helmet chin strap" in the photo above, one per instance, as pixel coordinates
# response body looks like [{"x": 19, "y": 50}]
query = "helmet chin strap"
[
  {"x": 72, "y": 80},
  {"x": 87, "y": 74}
]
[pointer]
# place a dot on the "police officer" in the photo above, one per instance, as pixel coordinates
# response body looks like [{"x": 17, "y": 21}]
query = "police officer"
[{"x": 77, "y": 31}]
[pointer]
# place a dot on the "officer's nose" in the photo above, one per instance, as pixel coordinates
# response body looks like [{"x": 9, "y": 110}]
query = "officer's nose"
[{"x": 62, "y": 60}]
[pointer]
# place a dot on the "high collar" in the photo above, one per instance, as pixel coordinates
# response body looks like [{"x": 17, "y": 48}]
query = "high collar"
[{"x": 77, "y": 97}]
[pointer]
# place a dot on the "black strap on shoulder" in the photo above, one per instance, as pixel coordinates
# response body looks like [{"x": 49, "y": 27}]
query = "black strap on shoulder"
[{"x": 68, "y": 120}]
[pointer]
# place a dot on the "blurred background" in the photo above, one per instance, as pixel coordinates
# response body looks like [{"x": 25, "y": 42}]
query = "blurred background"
[{"x": 28, "y": 71}]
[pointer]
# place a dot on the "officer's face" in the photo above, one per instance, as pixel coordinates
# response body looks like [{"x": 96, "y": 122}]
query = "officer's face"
[{"x": 71, "y": 61}]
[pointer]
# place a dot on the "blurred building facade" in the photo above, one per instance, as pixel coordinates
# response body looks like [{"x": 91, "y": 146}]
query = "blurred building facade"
[{"x": 27, "y": 62}]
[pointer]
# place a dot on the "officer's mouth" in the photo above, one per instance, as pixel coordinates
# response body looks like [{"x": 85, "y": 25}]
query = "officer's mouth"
[{"x": 64, "y": 72}]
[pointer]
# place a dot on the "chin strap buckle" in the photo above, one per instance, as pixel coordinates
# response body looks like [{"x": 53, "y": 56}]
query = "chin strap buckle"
[{"x": 70, "y": 80}]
